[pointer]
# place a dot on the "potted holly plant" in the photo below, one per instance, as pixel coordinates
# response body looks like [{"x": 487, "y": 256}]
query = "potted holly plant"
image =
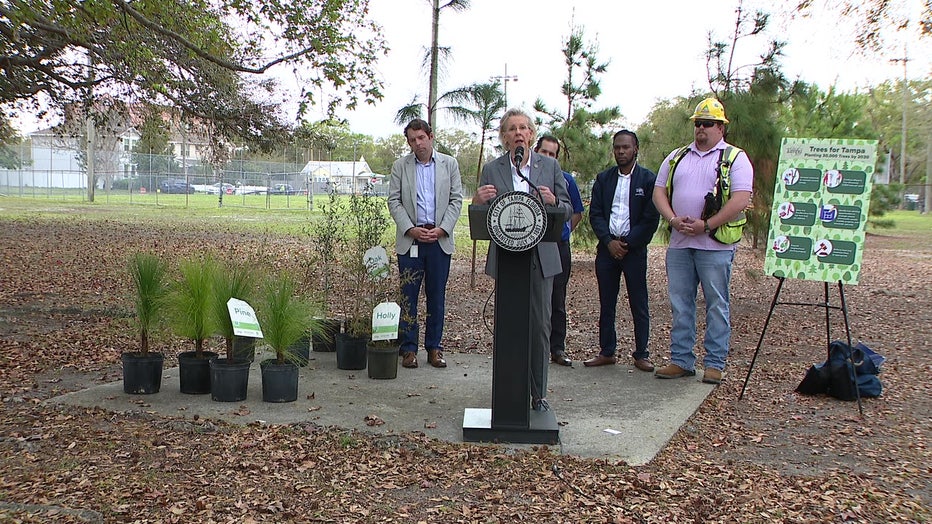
[
  {"x": 191, "y": 312},
  {"x": 284, "y": 317},
  {"x": 142, "y": 369},
  {"x": 366, "y": 276},
  {"x": 229, "y": 376}
]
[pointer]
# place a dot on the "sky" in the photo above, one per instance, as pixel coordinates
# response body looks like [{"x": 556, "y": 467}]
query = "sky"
[{"x": 655, "y": 50}]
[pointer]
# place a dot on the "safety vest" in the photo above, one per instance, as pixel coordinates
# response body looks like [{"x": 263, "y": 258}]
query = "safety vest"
[{"x": 729, "y": 232}]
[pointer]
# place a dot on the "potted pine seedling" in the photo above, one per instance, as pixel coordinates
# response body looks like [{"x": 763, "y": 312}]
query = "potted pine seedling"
[
  {"x": 190, "y": 305},
  {"x": 284, "y": 318},
  {"x": 229, "y": 376},
  {"x": 142, "y": 369}
]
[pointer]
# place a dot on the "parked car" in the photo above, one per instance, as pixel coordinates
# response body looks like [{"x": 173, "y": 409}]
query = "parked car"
[
  {"x": 250, "y": 190},
  {"x": 214, "y": 189},
  {"x": 175, "y": 186},
  {"x": 283, "y": 189}
]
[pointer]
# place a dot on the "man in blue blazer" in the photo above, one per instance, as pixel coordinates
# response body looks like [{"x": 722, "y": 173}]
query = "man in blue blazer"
[
  {"x": 425, "y": 197},
  {"x": 500, "y": 176},
  {"x": 624, "y": 219}
]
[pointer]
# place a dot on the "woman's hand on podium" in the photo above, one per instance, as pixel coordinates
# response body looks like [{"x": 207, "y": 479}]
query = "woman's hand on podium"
[{"x": 484, "y": 194}]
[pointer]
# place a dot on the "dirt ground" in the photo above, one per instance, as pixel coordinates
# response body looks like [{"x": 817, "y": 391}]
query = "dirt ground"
[{"x": 774, "y": 456}]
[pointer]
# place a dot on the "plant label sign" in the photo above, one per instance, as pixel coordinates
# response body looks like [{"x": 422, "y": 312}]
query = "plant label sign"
[
  {"x": 385, "y": 318},
  {"x": 245, "y": 323},
  {"x": 376, "y": 262}
]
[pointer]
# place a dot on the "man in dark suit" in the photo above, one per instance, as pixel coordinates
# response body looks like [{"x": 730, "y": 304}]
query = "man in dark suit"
[
  {"x": 424, "y": 198},
  {"x": 501, "y": 176},
  {"x": 624, "y": 219}
]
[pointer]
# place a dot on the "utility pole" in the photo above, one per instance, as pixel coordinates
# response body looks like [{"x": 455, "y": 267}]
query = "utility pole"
[
  {"x": 505, "y": 79},
  {"x": 91, "y": 133},
  {"x": 905, "y": 88}
]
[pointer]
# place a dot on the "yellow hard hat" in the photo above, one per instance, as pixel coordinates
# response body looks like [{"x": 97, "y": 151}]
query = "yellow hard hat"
[{"x": 710, "y": 109}]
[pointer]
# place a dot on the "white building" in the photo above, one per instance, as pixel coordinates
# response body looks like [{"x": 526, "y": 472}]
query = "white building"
[
  {"x": 57, "y": 158},
  {"x": 343, "y": 176}
]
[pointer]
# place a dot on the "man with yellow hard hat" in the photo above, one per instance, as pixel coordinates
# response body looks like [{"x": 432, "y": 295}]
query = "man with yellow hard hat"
[{"x": 686, "y": 178}]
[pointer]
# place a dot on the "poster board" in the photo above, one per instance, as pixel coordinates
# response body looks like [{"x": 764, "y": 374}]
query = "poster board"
[{"x": 820, "y": 205}]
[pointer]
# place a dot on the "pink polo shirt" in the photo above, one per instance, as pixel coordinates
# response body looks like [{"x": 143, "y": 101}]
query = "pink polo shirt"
[{"x": 695, "y": 176}]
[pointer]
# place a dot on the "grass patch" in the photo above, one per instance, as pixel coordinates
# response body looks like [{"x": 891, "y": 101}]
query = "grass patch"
[
  {"x": 908, "y": 222},
  {"x": 199, "y": 211},
  {"x": 240, "y": 213},
  {"x": 911, "y": 231}
]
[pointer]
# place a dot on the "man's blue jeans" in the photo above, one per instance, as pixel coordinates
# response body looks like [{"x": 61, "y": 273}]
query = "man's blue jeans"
[
  {"x": 687, "y": 269},
  {"x": 432, "y": 267}
]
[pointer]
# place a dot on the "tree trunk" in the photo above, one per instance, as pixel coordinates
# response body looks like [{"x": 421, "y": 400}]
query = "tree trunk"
[
  {"x": 472, "y": 272},
  {"x": 91, "y": 141},
  {"x": 434, "y": 52}
]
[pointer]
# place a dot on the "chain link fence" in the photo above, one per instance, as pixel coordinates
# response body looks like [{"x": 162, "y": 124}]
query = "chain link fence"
[{"x": 61, "y": 174}]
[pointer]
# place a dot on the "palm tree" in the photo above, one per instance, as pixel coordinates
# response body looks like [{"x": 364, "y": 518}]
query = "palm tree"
[
  {"x": 484, "y": 105},
  {"x": 415, "y": 109},
  {"x": 435, "y": 50},
  {"x": 477, "y": 103}
]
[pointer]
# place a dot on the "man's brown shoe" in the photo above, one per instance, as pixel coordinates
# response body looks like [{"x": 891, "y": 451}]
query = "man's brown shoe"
[
  {"x": 712, "y": 376},
  {"x": 673, "y": 371},
  {"x": 644, "y": 364},
  {"x": 600, "y": 360},
  {"x": 409, "y": 359},
  {"x": 435, "y": 358}
]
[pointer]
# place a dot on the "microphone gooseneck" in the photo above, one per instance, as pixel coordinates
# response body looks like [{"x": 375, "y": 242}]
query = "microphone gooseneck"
[{"x": 519, "y": 159}]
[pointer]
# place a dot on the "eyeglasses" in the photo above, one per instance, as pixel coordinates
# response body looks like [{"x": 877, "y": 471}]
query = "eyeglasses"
[{"x": 704, "y": 123}]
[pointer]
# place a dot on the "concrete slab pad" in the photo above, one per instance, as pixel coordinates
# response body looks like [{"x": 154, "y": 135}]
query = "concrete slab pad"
[{"x": 611, "y": 412}]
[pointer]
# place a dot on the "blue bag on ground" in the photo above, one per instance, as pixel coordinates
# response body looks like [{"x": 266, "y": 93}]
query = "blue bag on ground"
[{"x": 845, "y": 367}]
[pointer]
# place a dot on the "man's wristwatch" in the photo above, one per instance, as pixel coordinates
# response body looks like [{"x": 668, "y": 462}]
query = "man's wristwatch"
[{"x": 706, "y": 224}]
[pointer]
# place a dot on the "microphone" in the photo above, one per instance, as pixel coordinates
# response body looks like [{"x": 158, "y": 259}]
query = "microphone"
[{"x": 519, "y": 157}]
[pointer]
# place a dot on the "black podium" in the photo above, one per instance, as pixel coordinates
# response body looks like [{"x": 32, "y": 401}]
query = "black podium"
[{"x": 511, "y": 418}]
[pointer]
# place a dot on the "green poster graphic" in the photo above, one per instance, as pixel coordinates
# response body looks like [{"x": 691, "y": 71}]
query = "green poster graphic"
[
  {"x": 845, "y": 217},
  {"x": 796, "y": 213},
  {"x": 820, "y": 205}
]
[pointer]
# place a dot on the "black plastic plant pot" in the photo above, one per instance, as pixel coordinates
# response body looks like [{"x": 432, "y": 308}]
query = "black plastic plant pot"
[{"x": 142, "y": 373}]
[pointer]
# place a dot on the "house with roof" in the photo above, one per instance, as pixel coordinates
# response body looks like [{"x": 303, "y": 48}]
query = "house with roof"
[{"x": 341, "y": 175}]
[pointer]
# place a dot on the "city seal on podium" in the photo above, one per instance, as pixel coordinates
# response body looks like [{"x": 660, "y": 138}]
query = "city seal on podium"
[{"x": 517, "y": 221}]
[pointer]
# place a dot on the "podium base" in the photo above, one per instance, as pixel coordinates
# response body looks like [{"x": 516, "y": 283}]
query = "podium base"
[{"x": 542, "y": 428}]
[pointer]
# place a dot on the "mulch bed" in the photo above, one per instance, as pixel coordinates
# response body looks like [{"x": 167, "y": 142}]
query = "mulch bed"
[{"x": 773, "y": 457}]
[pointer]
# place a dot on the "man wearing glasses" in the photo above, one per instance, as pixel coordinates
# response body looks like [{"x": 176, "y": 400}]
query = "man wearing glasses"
[{"x": 694, "y": 258}]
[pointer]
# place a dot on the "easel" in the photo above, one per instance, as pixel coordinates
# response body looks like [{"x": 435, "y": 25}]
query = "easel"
[{"x": 828, "y": 337}]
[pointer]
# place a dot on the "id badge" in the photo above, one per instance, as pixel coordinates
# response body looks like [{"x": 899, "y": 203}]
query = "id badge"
[{"x": 413, "y": 252}]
